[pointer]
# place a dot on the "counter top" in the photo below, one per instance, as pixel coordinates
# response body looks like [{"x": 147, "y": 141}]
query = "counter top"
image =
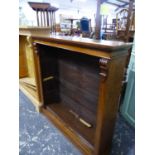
[
  {"x": 86, "y": 42},
  {"x": 101, "y": 48}
]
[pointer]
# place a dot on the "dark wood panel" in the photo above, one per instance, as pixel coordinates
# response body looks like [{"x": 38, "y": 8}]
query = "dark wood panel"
[
  {"x": 85, "y": 78},
  {"x": 48, "y": 61},
  {"x": 49, "y": 74},
  {"x": 81, "y": 97},
  {"x": 84, "y": 112},
  {"x": 79, "y": 83},
  {"x": 62, "y": 111}
]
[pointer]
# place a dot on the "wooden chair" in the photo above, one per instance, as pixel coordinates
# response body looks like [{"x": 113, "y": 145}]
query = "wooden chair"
[
  {"x": 126, "y": 34},
  {"x": 125, "y": 24},
  {"x": 85, "y": 27}
]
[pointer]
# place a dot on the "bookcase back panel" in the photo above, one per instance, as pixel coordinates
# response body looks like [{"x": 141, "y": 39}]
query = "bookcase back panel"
[{"x": 71, "y": 80}]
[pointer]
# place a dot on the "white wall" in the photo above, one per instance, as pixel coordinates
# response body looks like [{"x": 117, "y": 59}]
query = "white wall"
[{"x": 76, "y": 9}]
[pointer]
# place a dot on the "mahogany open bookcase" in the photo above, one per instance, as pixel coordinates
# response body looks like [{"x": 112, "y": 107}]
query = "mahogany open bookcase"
[
  {"x": 79, "y": 84},
  {"x": 70, "y": 88}
]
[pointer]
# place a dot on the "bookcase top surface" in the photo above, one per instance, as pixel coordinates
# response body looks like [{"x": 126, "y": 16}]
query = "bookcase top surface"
[{"x": 86, "y": 42}]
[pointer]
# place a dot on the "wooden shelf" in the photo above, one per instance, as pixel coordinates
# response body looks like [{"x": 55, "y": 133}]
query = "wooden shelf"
[
  {"x": 29, "y": 92},
  {"x": 63, "y": 112}
]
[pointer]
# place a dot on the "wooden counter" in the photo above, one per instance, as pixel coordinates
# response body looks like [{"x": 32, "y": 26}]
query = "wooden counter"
[{"x": 78, "y": 83}]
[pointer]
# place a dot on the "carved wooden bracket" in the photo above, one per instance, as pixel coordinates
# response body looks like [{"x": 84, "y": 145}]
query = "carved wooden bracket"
[{"x": 104, "y": 68}]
